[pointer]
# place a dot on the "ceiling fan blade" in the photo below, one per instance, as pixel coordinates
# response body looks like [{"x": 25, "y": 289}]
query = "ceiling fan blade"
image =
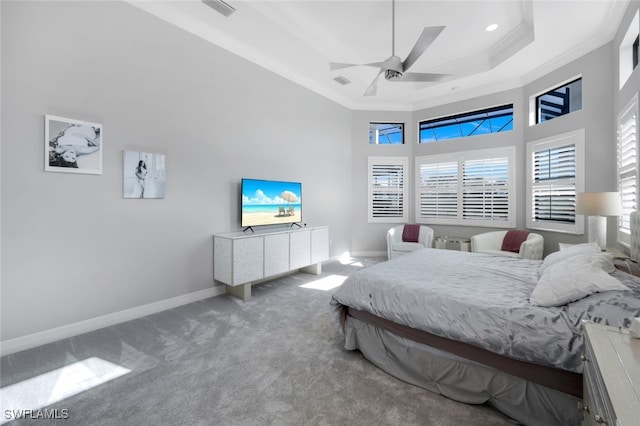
[
  {"x": 339, "y": 65},
  {"x": 373, "y": 87},
  {"x": 427, "y": 37},
  {"x": 421, "y": 76}
]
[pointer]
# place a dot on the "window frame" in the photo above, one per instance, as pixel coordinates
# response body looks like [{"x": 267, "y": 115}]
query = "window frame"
[
  {"x": 469, "y": 114},
  {"x": 403, "y": 164},
  {"x": 402, "y": 126},
  {"x": 576, "y": 137},
  {"x": 459, "y": 158},
  {"x": 537, "y": 99},
  {"x": 629, "y": 200},
  {"x": 635, "y": 52},
  {"x": 628, "y": 51}
]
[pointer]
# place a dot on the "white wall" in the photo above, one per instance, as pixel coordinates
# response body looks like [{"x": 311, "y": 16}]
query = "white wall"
[{"x": 72, "y": 248}]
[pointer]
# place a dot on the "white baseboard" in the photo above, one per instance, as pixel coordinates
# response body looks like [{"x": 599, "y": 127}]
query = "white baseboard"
[{"x": 63, "y": 332}]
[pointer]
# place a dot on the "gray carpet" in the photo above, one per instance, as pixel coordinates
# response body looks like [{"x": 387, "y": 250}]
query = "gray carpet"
[{"x": 275, "y": 359}]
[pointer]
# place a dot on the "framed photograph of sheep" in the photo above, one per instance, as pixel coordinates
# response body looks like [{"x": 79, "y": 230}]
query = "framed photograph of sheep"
[
  {"x": 144, "y": 174},
  {"x": 72, "y": 146}
]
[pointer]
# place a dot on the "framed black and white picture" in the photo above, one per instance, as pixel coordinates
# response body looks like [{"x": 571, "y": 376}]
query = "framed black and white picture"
[
  {"x": 144, "y": 175},
  {"x": 72, "y": 146}
]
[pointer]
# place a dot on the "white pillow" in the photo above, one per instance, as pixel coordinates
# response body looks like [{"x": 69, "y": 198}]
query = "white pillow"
[
  {"x": 587, "y": 248},
  {"x": 572, "y": 279}
]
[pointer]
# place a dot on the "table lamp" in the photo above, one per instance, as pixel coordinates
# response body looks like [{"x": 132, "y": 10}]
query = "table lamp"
[{"x": 598, "y": 205}]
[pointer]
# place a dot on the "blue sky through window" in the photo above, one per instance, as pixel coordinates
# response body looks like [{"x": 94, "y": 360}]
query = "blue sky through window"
[
  {"x": 386, "y": 133},
  {"x": 490, "y": 120}
]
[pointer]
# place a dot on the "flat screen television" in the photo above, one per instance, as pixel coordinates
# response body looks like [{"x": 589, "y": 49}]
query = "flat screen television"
[{"x": 270, "y": 202}]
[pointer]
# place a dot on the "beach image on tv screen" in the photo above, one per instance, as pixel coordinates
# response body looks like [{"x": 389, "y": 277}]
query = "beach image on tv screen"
[{"x": 267, "y": 202}]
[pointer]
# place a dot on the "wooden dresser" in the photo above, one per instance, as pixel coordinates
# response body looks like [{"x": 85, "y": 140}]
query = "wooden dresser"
[{"x": 611, "y": 376}]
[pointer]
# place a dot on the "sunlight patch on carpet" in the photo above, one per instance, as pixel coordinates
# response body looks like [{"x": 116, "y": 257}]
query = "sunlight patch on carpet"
[
  {"x": 54, "y": 386},
  {"x": 346, "y": 259},
  {"x": 327, "y": 283}
]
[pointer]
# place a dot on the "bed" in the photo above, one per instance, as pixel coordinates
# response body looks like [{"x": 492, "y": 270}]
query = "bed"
[{"x": 463, "y": 325}]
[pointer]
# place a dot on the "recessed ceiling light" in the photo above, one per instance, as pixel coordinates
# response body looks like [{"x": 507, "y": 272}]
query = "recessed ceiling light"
[{"x": 492, "y": 27}]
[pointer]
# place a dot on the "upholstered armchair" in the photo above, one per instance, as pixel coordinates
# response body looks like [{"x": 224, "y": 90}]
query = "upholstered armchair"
[
  {"x": 492, "y": 243},
  {"x": 397, "y": 247}
]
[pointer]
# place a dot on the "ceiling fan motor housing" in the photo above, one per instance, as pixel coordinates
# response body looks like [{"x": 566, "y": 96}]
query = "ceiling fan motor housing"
[
  {"x": 392, "y": 68},
  {"x": 392, "y": 75}
]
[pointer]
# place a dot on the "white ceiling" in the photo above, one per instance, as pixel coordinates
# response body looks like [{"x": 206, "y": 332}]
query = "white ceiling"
[{"x": 298, "y": 38}]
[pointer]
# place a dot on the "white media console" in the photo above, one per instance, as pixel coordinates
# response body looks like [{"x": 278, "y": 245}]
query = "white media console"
[{"x": 240, "y": 259}]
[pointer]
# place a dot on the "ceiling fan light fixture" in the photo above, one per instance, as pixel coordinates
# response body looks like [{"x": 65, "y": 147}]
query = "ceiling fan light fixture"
[{"x": 392, "y": 75}]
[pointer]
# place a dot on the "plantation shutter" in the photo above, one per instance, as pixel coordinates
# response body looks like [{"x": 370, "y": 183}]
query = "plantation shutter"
[
  {"x": 387, "y": 189},
  {"x": 554, "y": 191},
  {"x": 471, "y": 188},
  {"x": 555, "y": 174},
  {"x": 485, "y": 185},
  {"x": 627, "y": 167},
  {"x": 438, "y": 191}
]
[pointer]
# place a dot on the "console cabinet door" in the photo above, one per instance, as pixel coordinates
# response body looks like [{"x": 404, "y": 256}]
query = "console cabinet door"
[
  {"x": 276, "y": 254},
  {"x": 319, "y": 245},
  {"x": 222, "y": 261},
  {"x": 300, "y": 249},
  {"x": 248, "y": 256}
]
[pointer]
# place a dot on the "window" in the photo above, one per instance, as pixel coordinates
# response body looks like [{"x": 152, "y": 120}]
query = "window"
[
  {"x": 482, "y": 122},
  {"x": 559, "y": 101},
  {"x": 627, "y": 167},
  {"x": 387, "y": 189},
  {"x": 628, "y": 50},
  {"x": 386, "y": 133},
  {"x": 634, "y": 54},
  {"x": 555, "y": 173},
  {"x": 473, "y": 188}
]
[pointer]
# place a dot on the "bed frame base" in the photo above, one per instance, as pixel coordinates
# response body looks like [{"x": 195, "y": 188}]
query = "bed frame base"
[{"x": 554, "y": 378}]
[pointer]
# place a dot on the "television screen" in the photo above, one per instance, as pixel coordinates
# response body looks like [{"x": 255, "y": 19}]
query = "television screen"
[{"x": 269, "y": 202}]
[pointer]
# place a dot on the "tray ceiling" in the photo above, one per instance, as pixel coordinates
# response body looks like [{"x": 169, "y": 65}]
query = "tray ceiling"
[{"x": 297, "y": 39}]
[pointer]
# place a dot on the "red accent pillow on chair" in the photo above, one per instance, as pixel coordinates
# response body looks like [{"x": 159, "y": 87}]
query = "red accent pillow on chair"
[
  {"x": 411, "y": 233},
  {"x": 513, "y": 239}
]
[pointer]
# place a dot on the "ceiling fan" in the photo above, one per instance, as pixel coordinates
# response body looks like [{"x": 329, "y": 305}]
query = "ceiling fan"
[{"x": 394, "y": 68}]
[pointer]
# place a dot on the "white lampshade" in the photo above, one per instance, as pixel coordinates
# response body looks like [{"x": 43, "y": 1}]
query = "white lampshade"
[{"x": 599, "y": 203}]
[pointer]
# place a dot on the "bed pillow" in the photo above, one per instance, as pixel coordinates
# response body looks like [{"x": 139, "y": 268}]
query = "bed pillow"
[
  {"x": 574, "y": 250},
  {"x": 574, "y": 278}
]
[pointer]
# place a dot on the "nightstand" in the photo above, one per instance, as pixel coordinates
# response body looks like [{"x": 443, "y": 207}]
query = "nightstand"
[
  {"x": 611, "y": 378},
  {"x": 618, "y": 254}
]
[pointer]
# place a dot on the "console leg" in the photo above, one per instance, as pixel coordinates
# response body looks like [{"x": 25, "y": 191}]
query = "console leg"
[
  {"x": 240, "y": 291},
  {"x": 315, "y": 269}
]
